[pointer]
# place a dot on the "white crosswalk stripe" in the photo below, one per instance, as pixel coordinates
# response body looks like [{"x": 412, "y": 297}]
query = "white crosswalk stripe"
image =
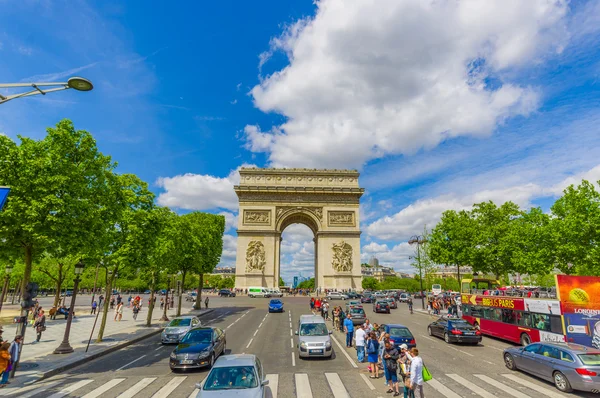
[
  {"x": 169, "y": 387},
  {"x": 272, "y": 386},
  {"x": 442, "y": 389},
  {"x": 72, "y": 388},
  {"x": 302, "y": 386},
  {"x": 545, "y": 391},
  {"x": 471, "y": 386},
  {"x": 139, "y": 386},
  {"x": 502, "y": 386},
  {"x": 103, "y": 388}
]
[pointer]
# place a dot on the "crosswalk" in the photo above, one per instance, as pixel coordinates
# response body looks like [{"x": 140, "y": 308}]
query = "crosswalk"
[{"x": 298, "y": 385}]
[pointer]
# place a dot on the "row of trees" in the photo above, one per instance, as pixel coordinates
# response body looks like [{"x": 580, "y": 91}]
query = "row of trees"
[
  {"x": 68, "y": 203},
  {"x": 502, "y": 240}
]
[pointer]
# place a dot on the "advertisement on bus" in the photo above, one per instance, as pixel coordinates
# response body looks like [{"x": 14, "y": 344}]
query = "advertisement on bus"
[{"x": 580, "y": 300}]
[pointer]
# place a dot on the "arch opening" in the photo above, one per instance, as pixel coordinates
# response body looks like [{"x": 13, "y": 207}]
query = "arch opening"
[{"x": 297, "y": 254}]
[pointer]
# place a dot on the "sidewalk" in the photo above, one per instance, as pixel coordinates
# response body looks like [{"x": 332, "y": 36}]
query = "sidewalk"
[{"x": 38, "y": 361}]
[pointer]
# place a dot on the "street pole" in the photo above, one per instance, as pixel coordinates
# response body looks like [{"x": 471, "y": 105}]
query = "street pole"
[
  {"x": 92, "y": 333},
  {"x": 165, "y": 318},
  {"x": 65, "y": 347},
  {"x": 420, "y": 275}
]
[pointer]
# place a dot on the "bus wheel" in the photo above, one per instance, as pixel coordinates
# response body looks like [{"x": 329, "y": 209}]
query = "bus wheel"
[
  {"x": 509, "y": 361},
  {"x": 525, "y": 339}
]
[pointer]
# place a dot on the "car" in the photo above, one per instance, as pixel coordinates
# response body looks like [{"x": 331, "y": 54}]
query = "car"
[
  {"x": 381, "y": 306},
  {"x": 403, "y": 298},
  {"x": 336, "y": 296},
  {"x": 239, "y": 375},
  {"x": 353, "y": 303},
  {"x": 69, "y": 293},
  {"x": 358, "y": 316},
  {"x": 314, "y": 339},
  {"x": 400, "y": 334},
  {"x": 226, "y": 293},
  {"x": 275, "y": 293},
  {"x": 366, "y": 299},
  {"x": 392, "y": 303},
  {"x": 353, "y": 295},
  {"x": 454, "y": 330},
  {"x": 147, "y": 292},
  {"x": 200, "y": 347},
  {"x": 419, "y": 295},
  {"x": 569, "y": 366},
  {"x": 276, "y": 305},
  {"x": 177, "y": 328}
]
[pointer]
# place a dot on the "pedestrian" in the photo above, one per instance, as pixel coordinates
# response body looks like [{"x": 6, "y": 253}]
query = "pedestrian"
[
  {"x": 94, "y": 306},
  {"x": 383, "y": 337},
  {"x": 342, "y": 318},
  {"x": 349, "y": 330},
  {"x": 13, "y": 350},
  {"x": 162, "y": 303},
  {"x": 112, "y": 302},
  {"x": 360, "y": 343},
  {"x": 404, "y": 370},
  {"x": 410, "y": 305},
  {"x": 206, "y": 303},
  {"x": 4, "y": 363},
  {"x": 136, "y": 310},
  {"x": 100, "y": 300},
  {"x": 326, "y": 310},
  {"x": 390, "y": 356},
  {"x": 40, "y": 325},
  {"x": 312, "y": 305},
  {"x": 372, "y": 357},
  {"x": 129, "y": 299},
  {"x": 119, "y": 312},
  {"x": 416, "y": 373},
  {"x": 367, "y": 326},
  {"x": 119, "y": 299}
]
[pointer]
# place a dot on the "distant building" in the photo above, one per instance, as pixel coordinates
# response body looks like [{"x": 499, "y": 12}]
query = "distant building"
[
  {"x": 404, "y": 275},
  {"x": 225, "y": 271},
  {"x": 452, "y": 271},
  {"x": 378, "y": 273}
]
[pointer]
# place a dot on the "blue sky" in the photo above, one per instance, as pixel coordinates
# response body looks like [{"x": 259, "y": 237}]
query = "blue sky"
[{"x": 439, "y": 105}]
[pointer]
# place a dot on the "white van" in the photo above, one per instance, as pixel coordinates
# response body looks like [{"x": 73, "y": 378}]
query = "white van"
[
  {"x": 275, "y": 293},
  {"x": 258, "y": 292}
]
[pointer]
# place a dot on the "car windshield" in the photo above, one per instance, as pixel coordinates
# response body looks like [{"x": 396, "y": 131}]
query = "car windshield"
[
  {"x": 459, "y": 323},
  {"x": 357, "y": 311},
  {"x": 200, "y": 336},
  {"x": 231, "y": 378},
  {"x": 180, "y": 322},
  {"x": 382, "y": 303},
  {"x": 400, "y": 332},
  {"x": 590, "y": 359},
  {"x": 275, "y": 301},
  {"x": 313, "y": 329}
]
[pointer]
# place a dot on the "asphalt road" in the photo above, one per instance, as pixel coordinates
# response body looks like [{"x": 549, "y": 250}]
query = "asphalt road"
[{"x": 142, "y": 370}]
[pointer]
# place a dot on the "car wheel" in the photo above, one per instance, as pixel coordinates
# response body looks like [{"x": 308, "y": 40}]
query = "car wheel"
[
  {"x": 509, "y": 361},
  {"x": 224, "y": 348},
  {"x": 429, "y": 331},
  {"x": 525, "y": 339},
  {"x": 561, "y": 382},
  {"x": 446, "y": 338},
  {"x": 212, "y": 361}
]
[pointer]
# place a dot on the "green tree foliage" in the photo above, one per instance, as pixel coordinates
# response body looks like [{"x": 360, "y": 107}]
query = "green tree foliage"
[
  {"x": 57, "y": 270},
  {"x": 281, "y": 282},
  {"x": 451, "y": 241},
  {"x": 307, "y": 284},
  {"x": 370, "y": 283}
]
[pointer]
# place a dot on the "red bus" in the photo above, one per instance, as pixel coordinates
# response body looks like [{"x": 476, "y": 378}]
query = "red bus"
[{"x": 486, "y": 305}]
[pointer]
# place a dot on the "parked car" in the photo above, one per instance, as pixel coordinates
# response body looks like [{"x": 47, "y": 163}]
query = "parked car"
[
  {"x": 147, "y": 292},
  {"x": 400, "y": 334},
  {"x": 68, "y": 293},
  {"x": 177, "y": 328},
  {"x": 569, "y": 366},
  {"x": 419, "y": 295},
  {"x": 239, "y": 375},
  {"x": 276, "y": 305},
  {"x": 200, "y": 347},
  {"x": 366, "y": 299},
  {"x": 313, "y": 337},
  {"x": 454, "y": 330},
  {"x": 358, "y": 315},
  {"x": 381, "y": 306},
  {"x": 336, "y": 296},
  {"x": 226, "y": 293}
]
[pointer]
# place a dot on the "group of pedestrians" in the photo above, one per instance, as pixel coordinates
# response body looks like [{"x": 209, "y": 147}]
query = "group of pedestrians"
[{"x": 439, "y": 304}]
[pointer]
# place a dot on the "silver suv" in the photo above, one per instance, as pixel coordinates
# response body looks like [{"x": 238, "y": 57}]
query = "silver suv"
[{"x": 313, "y": 337}]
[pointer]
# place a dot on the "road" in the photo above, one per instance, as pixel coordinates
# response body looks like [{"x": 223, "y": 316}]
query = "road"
[{"x": 142, "y": 369}]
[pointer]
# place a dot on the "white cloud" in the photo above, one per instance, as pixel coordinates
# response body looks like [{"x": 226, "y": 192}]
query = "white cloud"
[
  {"x": 297, "y": 252},
  {"x": 398, "y": 257},
  {"x": 592, "y": 176},
  {"x": 53, "y": 77},
  {"x": 229, "y": 251},
  {"x": 369, "y": 78},
  {"x": 231, "y": 220}
]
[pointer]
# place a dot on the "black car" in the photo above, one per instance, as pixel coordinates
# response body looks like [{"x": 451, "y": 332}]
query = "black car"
[
  {"x": 353, "y": 295},
  {"x": 226, "y": 293},
  {"x": 454, "y": 330},
  {"x": 381, "y": 306},
  {"x": 200, "y": 347},
  {"x": 366, "y": 299}
]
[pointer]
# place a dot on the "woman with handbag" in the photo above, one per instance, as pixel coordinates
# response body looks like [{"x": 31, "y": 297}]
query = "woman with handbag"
[
  {"x": 416, "y": 373},
  {"x": 40, "y": 325},
  {"x": 373, "y": 355}
]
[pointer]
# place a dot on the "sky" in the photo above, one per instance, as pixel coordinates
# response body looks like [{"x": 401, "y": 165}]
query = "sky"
[{"x": 438, "y": 104}]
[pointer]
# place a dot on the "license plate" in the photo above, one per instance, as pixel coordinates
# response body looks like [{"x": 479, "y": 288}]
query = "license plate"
[
  {"x": 469, "y": 334},
  {"x": 172, "y": 336},
  {"x": 187, "y": 362},
  {"x": 316, "y": 351}
]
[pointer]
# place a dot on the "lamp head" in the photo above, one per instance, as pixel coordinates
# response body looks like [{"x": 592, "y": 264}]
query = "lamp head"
[
  {"x": 80, "y": 84},
  {"x": 79, "y": 267}
]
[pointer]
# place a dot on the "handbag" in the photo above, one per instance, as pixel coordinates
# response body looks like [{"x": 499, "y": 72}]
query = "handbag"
[{"x": 426, "y": 374}]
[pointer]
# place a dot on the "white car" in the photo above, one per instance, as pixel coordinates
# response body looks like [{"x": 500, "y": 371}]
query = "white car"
[{"x": 336, "y": 296}]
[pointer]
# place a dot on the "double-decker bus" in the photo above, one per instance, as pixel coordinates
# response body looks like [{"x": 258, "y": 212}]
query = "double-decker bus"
[{"x": 498, "y": 312}]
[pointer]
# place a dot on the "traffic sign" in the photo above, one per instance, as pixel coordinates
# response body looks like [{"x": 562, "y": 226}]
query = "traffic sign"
[{"x": 3, "y": 195}]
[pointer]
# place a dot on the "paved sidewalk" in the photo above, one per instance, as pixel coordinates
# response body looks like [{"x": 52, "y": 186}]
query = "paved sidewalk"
[{"x": 38, "y": 361}]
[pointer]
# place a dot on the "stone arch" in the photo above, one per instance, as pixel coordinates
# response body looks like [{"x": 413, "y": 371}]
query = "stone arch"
[{"x": 298, "y": 216}]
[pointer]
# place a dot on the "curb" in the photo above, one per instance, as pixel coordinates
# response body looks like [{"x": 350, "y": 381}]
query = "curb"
[{"x": 104, "y": 352}]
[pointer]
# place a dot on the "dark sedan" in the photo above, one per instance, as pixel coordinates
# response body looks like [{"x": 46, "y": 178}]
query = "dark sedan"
[
  {"x": 366, "y": 299},
  {"x": 454, "y": 330},
  {"x": 381, "y": 306},
  {"x": 198, "y": 348},
  {"x": 226, "y": 293}
]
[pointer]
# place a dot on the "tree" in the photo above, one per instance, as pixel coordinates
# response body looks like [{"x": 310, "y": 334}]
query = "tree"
[
  {"x": 281, "y": 282},
  {"x": 57, "y": 270},
  {"x": 227, "y": 283},
  {"x": 370, "y": 283},
  {"x": 532, "y": 243},
  {"x": 307, "y": 284},
  {"x": 213, "y": 281}
]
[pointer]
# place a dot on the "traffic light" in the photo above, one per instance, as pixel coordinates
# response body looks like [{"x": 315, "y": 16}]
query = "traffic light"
[{"x": 31, "y": 292}]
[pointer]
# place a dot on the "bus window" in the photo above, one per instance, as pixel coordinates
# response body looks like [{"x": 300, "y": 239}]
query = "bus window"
[
  {"x": 493, "y": 314},
  {"x": 524, "y": 319},
  {"x": 509, "y": 316},
  {"x": 541, "y": 322},
  {"x": 556, "y": 324}
]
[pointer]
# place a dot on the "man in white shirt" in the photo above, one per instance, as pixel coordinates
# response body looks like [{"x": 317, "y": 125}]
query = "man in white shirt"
[
  {"x": 359, "y": 337},
  {"x": 416, "y": 374}
]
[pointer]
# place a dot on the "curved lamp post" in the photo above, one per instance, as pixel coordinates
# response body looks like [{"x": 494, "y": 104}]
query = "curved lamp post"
[
  {"x": 76, "y": 83},
  {"x": 419, "y": 240},
  {"x": 65, "y": 347},
  {"x": 7, "y": 271}
]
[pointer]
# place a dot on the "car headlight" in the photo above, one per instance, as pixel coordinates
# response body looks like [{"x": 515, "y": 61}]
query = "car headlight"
[
  {"x": 328, "y": 344},
  {"x": 173, "y": 355},
  {"x": 204, "y": 353},
  {"x": 302, "y": 344}
]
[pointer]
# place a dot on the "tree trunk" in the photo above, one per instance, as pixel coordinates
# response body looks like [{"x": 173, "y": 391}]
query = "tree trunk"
[
  {"x": 27, "y": 271},
  {"x": 59, "y": 282},
  {"x": 180, "y": 293},
  {"x": 151, "y": 304},
  {"x": 107, "y": 295},
  {"x": 198, "y": 304}
]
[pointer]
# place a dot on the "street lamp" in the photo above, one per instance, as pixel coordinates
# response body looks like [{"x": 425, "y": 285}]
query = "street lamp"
[
  {"x": 419, "y": 240},
  {"x": 76, "y": 83},
  {"x": 7, "y": 271},
  {"x": 65, "y": 347}
]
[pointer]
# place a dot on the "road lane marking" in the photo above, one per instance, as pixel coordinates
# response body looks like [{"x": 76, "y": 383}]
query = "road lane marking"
[
  {"x": 367, "y": 381},
  {"x": 271, "y": 390},
  {"x": 161, "y": 346},
  {"x": 336, "y": 385},
  {"x": 260, "y": 325},
  {"x": 36, "y": 389},
  {"x": 495, "y": 348},
  {"x": 230, "y": 326},
  {"x": 442, "y": 389},
  {"x": 302, "y": 386},
  {"x": 169, "y": 387},
  {"x": 292, "y": 343},
  {"x": 102, "y": 389},
  {"x": 126, "y": 365},
  {"x": 473, "y": 387},
  {"x": 491, "y": 363},
  {"x": 291, "y": 333},
  {"x": 139, "y": 386},
  {"x": 73, "y": 387},
  {"x": 255, "y": 333},
  {"x": 344, "y": 352},
  {"x": 293, "y": 359},
  {"x": 290, "y": 324},
  {"x": 250, "y": 342},
  {"x": 533, "y": 386},
  {"x": 194, "y": 393},
  {"x": 502, "y": 386}
]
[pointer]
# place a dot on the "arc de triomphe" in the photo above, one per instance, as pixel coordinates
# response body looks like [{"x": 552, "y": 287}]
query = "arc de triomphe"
[{"x": 327, "y": 201}]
